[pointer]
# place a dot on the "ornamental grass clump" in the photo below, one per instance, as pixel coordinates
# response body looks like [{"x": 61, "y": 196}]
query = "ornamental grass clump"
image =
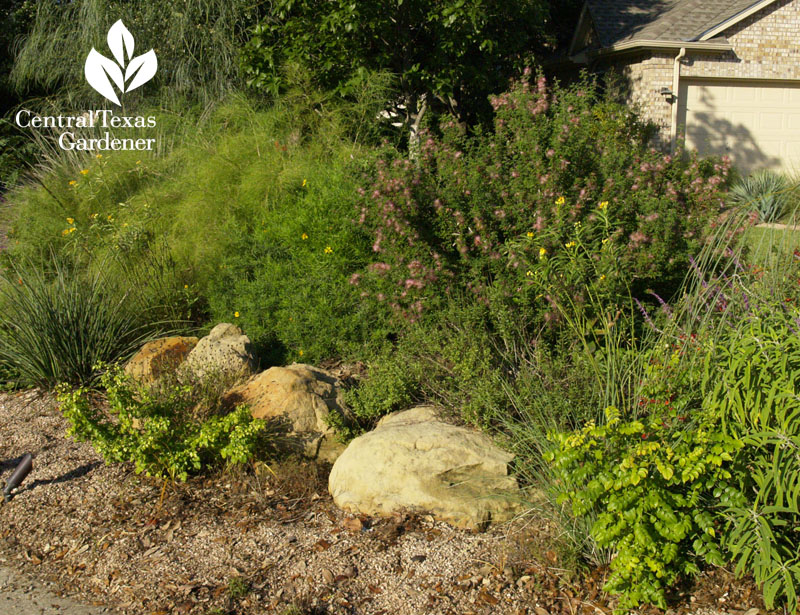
[{"x": 57, "y": 324}]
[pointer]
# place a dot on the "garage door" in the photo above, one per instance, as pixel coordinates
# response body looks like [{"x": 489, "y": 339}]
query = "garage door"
[{"x": 756, "y": 123}]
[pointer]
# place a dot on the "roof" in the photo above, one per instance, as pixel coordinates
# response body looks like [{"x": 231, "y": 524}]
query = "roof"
[{"x": 628, "y": 21}]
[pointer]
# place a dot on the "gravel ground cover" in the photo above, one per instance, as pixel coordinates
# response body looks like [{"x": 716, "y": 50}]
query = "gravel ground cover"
[{"x": 268, "y": 539}]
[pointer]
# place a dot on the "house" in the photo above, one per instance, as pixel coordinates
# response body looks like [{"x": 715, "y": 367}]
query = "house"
[{"x": 724, "y": 75}]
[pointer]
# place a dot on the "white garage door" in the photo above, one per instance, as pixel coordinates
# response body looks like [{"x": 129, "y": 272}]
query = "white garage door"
[{"x": 756, "y": 123}]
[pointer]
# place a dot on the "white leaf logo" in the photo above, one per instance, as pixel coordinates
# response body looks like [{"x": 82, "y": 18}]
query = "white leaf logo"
[{"x": 103, "y": 73}]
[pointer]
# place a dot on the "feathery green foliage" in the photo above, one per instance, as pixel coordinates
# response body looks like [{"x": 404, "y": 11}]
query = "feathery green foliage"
[{"x": 197, "y": 43}]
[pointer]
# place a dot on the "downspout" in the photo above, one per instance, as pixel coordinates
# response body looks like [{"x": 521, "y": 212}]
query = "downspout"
[{"x": 676, "y": 81}]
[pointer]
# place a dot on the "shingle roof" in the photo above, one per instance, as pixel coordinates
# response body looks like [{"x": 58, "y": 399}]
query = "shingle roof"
[{"x": 618, "y": 21}]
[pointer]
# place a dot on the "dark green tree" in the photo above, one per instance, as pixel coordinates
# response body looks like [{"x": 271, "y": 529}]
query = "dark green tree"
[{"x": 446, "y": 53}]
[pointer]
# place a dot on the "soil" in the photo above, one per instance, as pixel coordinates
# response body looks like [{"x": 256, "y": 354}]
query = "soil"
[{"x": 268, "y": 539}]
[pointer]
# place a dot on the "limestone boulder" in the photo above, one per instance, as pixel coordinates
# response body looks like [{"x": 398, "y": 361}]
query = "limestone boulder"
[
  {"x": 298, "y": 398},
  {"x": 158, "y": 357},
  {"x": 413, "y": 460},
  {"x": 224, "y": 350}
]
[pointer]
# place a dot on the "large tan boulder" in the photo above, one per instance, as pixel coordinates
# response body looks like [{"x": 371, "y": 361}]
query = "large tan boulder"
[
  {"x": 415, "y": 461},
  {"x": 225, "y": 350},
  {"x": 159, "y": 357},
  {"x": 299, "y": 398}
]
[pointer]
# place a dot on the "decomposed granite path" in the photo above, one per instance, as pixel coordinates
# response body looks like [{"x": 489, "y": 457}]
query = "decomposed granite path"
[{"x": 20, "y": 595}]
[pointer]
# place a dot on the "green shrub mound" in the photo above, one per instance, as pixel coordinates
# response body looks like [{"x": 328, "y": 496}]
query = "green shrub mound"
[
  {"x": 252, "y": 211},
  {"x": 157, "y": 431},
  {"x": 708, "y": 471},
  {"x": 563, "y": 195}
]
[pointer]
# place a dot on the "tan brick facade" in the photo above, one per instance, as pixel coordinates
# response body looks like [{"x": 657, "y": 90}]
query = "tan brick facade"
[{"x": 766, "y": 46}]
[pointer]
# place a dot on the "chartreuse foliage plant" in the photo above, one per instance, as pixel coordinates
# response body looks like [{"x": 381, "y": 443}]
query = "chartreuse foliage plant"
[
  {"x": 752, "y": 383},
  {"x": 651, "y": 483},
  {"x": 155, "y": 430}
]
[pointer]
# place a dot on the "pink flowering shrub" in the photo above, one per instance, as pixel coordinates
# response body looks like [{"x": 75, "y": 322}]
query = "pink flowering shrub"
[{"x": 562, "y": 170}]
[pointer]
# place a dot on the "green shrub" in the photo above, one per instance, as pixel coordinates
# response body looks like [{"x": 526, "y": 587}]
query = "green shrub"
[
  {"x": 653, "y": 485},
  {"x": 156, "y": 430},
  {"x": 448, "y": 360},
  {"x": 561, "y": 170},
  {"x": 58, "y": 324},
  {"x": 751, "y": 382},
  {"x": 769, "y": 195}
]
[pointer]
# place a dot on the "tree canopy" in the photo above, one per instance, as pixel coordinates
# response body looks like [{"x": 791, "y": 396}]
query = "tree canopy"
[{"x": 453, "y": 52}]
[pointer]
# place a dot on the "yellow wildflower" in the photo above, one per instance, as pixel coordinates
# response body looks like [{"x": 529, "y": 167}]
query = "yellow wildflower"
[
  {"x": 529, "y": 273},
  {"x": 301, "y": 353},
  {"x": 328, "y": 250},
  {"x": 110, "y": 217},
  {"x": 571, "y": 244},
  {"x": 530, "y": 234},
  {"x": 138, "y": 162},
  {"x": 303, "y": 236},
  {"x": 186, "y": 286},
  {"x": 236, "y": 314},
  {"x": 304, "y": 183},
  {"x": 602, "y": 205},
  {"x": 560, "y": 200},
  {"x": 99, "y": 156},
  {"x": 84, "y": 171},
  {"x": 93, "y": 216},
  {"x": 542, "y": 252},
  {"x": 602, "y": 277},
  {"x": 72, "y": 182},
  {"x": 70, "y": 221}
]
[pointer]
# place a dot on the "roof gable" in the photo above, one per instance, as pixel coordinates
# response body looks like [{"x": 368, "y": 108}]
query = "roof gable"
[{"x": 626, "y": 21}]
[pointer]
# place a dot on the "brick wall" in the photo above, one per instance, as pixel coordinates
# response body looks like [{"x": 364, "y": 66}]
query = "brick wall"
[{"x": 766, "y": 45}]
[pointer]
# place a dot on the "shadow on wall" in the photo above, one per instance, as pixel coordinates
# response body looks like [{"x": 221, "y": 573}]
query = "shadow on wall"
[{"x": 718, "y": 136}]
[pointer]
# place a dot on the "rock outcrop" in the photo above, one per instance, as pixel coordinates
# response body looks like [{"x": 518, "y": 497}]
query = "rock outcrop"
[
  {"x": 158, "y": 357},
  {"x": 299, "y": 398},
  {"x": 224, "y": 350},
  {"x": 413, "y": 460}
]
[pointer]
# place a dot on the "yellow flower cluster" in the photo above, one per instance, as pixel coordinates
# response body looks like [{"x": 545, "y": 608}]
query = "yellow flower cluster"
[
  {"x": 542, "y": 252},
  {"x": 560, "y": 200},
  {"x": 602, "y": 205},
  {"x": 328, "y": 250},
  {"x": 571, "y": 244},
  {"x": 303, "y": 236},
  {"x": 530, "y": 234}
]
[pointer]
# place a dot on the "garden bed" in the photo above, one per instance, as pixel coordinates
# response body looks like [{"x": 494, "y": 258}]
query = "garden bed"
[{"x": 270, "y": 540}]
